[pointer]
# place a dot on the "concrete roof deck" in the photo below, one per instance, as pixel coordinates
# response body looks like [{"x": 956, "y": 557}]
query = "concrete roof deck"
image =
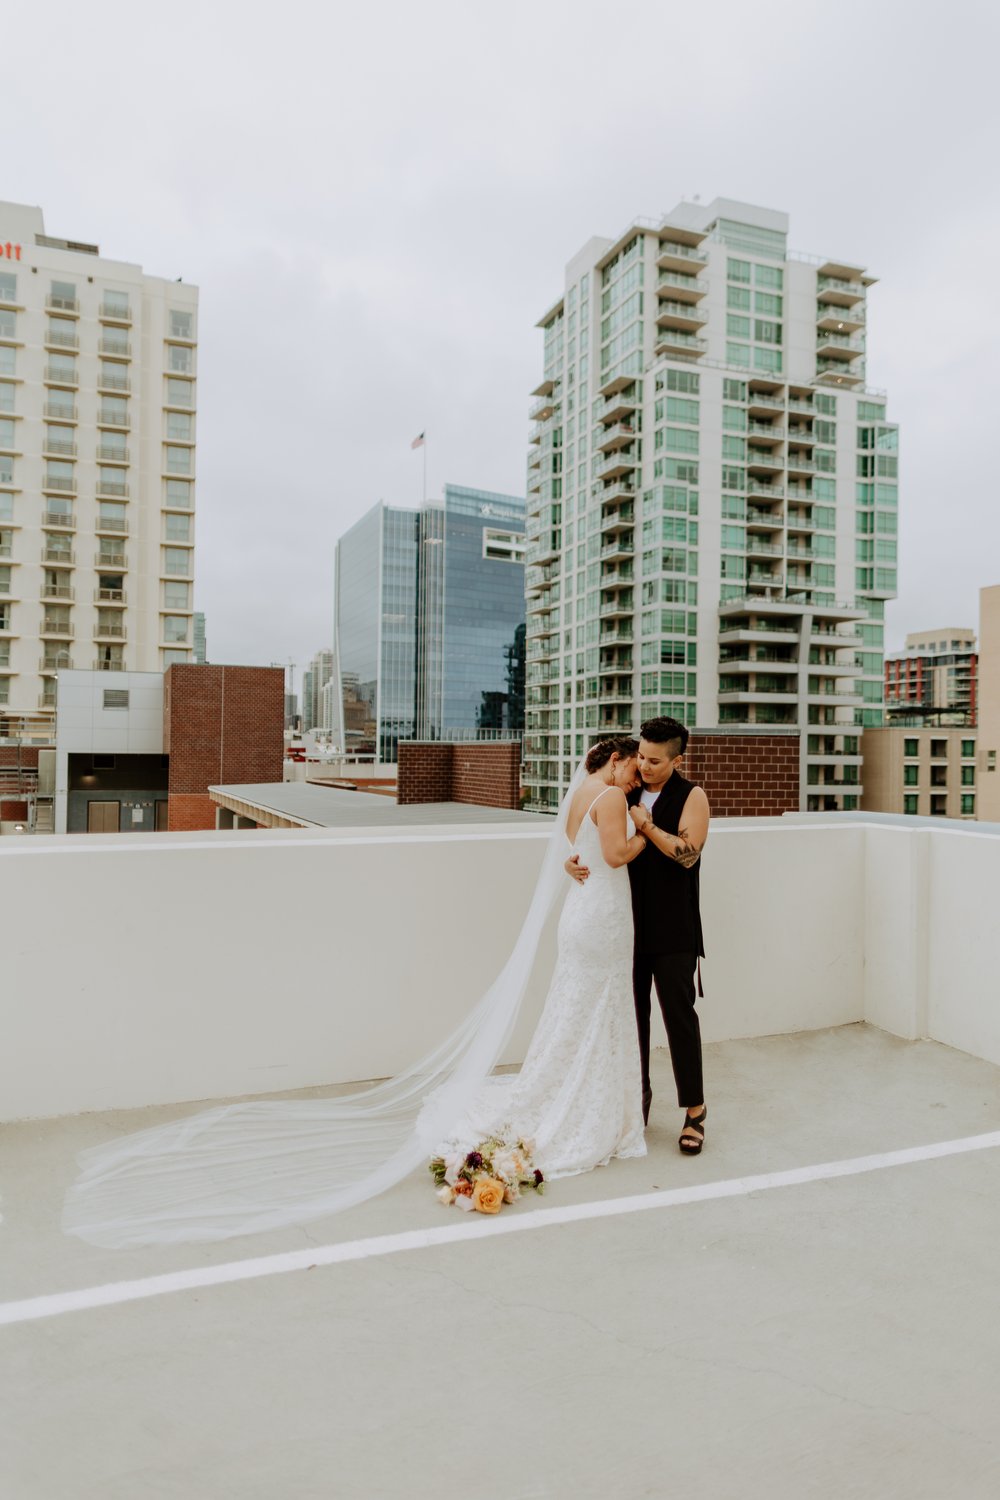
[
  {"x": 824, "y": 1338},
  {"x": 313, "y": 806}
]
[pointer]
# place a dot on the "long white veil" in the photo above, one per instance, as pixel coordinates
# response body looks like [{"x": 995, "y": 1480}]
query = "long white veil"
[{"x": 242, "y": 1168}]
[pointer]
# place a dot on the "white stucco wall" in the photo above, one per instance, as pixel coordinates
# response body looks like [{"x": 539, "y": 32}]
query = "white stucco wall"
[{"x": 193, "y": 966}]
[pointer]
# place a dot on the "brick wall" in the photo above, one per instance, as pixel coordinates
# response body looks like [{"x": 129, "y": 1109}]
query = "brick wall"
[
  {"x": 481, "y": 774},
  {"x": 745, "y": 775},
  {"x": 221, "y": 726}
]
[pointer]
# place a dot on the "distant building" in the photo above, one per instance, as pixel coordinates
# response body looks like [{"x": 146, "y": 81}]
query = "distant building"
[
  {"x": 97, "y": 464},
  {"x": 923, "y": 771},
  {"x": 314, "y": 681},
  {"x": 136, "y": 751},
  {"x": 989, "y": 705},
  {"x": 429, "y": 634},
  {"x": 200, "y": 644},
  {"x": 934, "y": 680},
  {"x": 712, "y": 497}
]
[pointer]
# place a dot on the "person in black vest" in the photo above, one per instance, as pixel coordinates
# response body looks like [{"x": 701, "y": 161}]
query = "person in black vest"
[{"x": 673, "y": 815}]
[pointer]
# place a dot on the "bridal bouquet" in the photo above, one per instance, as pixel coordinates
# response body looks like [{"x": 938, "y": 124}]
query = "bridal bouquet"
[{"x": 493, "y": 1174}]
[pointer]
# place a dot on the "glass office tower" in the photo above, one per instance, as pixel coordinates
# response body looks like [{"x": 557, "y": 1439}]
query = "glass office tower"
[{"x": 429, "y": 632}]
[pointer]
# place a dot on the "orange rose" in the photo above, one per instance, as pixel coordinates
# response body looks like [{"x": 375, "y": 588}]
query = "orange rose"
[{"x": 487, "y": 1195}]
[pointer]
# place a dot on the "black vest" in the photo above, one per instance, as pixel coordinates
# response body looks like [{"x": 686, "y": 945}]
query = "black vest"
[{"x": 664, "y": 894}]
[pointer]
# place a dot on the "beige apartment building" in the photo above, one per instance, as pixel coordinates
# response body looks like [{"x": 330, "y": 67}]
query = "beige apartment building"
[
  {"x": 712, "y": 498},
  {"x": 989, "y": 704},
  {"x": 926, "y": 772},
  {"x": 97, "y": 466}
]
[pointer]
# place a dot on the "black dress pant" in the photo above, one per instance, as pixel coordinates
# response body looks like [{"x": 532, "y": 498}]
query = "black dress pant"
[{"x": 673, "y": 974}]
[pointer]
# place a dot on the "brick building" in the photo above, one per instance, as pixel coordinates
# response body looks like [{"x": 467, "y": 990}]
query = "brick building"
[{"x": 220, "y": 725}]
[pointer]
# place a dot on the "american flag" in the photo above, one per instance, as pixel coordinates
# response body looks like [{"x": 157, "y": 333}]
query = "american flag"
[{"x": 418, "y": 442}]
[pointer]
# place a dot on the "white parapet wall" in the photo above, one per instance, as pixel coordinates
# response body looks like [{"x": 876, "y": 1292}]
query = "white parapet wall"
[{"x": 147, "y": 970}]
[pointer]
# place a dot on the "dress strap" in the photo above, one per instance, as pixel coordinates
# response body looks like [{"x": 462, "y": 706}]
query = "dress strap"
[{"x": 590, "y": 809}]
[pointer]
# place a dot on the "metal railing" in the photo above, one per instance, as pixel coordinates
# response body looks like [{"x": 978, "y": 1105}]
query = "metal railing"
[
  {"x": 115, "y": 314},
  {"x": 61, "y": 377},
  {"x": 108, "y": 417},
  {"x": 59, "y": 518},
  {"x": 59, "y": 411}
]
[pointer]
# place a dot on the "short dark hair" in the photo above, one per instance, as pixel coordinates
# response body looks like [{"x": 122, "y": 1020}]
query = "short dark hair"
[
  {"x": 669, "y": 732},
  {"x": 601, "y": 752}
]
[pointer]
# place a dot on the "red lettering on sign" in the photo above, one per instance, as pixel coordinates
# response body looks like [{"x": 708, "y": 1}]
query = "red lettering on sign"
[{"x": 12, "y": 252}]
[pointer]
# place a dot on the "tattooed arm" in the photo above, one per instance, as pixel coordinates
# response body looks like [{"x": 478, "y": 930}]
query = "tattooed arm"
[{"x": 685, "y": 847}]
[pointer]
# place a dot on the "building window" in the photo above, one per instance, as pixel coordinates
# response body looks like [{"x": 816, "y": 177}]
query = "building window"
[
  {"x": 177, "y": 596},
  {"x": 102, "y": 763},
  {"x": 179, "y": 426},
  {"x": 8, "y": 286},
  {"x": 910, "y": 747},
  {"x": 968, "y": 775},
  {"x": 177, "y": 560},
  {"x": 968, "y": 805},
  {"x": 175, "y": 627},
  {"x": 178, "y": 460},
  {"x": 62, "y": 294},
  {"x": 180, "y": 392},
  {"x": 174, "y": 658},
  {"x": 911, "y": 775},
  {"x": 116, "y": 304},
  {"x": 910, "y": 803},
  {"x": 177, "y": 528},
  {"x": 178, "y": 493},
  {"x": 968, "y": 749},
  {"x": 180, "y": 359},
  {"x": 116, "y": 697},
  {"x": 181, "y": 324},
  {"x": 503, "y": 546}
]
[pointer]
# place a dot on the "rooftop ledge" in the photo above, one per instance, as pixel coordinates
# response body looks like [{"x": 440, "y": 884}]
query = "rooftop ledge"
[{"x": 196, "y": 966}]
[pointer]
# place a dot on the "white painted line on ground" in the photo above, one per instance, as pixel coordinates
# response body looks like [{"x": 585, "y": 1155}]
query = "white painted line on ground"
[{"x": 472, "y": 1227}]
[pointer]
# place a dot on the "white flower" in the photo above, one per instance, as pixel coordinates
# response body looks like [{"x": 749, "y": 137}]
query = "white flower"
[
  {"x": 464, "y": 1200},
  {"x": 445, "y": 1194},
  {"x": 452, "y": 1167},
  {"x": 505, "y": 1166}
]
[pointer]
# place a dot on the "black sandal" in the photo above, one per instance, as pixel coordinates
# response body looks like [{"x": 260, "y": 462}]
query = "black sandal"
[{"x": 697, "y": 1124}]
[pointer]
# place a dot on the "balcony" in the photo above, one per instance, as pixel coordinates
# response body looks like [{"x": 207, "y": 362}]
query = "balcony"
[
  {"x": 59, "y": 411},
  {"x": 108, "y": 417},
  {"x": 58, "y": 448},
  {"x": 839, "y": 346},
  {"x": 620, "y": 405},
  {"x": 542, "y": 410},
  {"x": 61, "y": 628},
  {"x": 620, "y": 491},
  {"x": 54, "y": 375},
  {"x": 111, "y": 630},
  {"x": 112, "y": 488},
  {"x": 756, "y": 548},
  {"x": 112, "y": 560},
  {"x": 59, "y": 519},
  {"x": 617, "y": 550},
  {"x": 836, "y": 290},
  {"x": 111, "y": 524},
  {"x": 55, "y": 338},
  {"x": 56, "y": 591},
  {"x": 110, "y": 596},
  {"x": 112, "y": 380},
  {"x": 800, "y": 463},
  {"x": 57, "y": 555},
  {"x": 617, "y": 464},
  {"x": 674, "y": 256},
  {"x": 672, "y": 341},
  {"x": 115, "y": 348},
  {"x": 681, "y": 288},
  {"x": 62, "y": 305},
  {"x": 58, "y": 485},
  {"x": 841, "y": 319},
  {"x": 763, "y": 520},
  {"x": 836, "y": 372},
  {"x": 621, "y": 518},
  {"x": 764, "y": 401},
  {"x": 764, "y": 461},
  {"x": 56, "y": 661},
  {"x": 765, "y": 492},
  {"x": 621, "y": 435},
  {"x": 109, "y": 664},
  {"x": 111, "y": 455},
  {"x": 687, "y": 316},
  {"x": 623, "y": 636}
]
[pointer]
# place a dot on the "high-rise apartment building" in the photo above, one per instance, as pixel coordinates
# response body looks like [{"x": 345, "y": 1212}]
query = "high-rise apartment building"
[
  {"x": 314, "y": 680},
  {"x": 199, "y": 640},
  {"x": 97, "y": 463},
  {"x": 429, "y": 629},
  {"x": 934, "y": 681},
  {"x": 712, "y": 498}
]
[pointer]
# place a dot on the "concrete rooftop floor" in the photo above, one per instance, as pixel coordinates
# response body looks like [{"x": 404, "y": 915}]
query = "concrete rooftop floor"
[{"x": 836, "y": 1338}]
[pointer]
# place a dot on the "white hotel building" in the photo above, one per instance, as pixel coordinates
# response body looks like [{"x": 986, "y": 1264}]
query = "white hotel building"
[
  {"x": 97, "y": 465},
  {"x": 712, "y": 498}
]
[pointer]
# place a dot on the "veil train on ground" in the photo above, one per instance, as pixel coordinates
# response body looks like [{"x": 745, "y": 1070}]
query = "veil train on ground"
[{"x": 243, "y": 1168}]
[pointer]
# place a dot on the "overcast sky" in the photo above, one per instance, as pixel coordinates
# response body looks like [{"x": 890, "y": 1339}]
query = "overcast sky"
[{"x": 377, "y": 202}]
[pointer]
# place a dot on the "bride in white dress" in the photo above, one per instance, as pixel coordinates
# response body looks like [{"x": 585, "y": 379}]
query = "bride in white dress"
[
  {"x": 264, "y": 1164},
  {"x": 578, "y": 1094}
]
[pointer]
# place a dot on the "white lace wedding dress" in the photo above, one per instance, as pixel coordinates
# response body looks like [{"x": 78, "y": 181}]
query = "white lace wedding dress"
[{"x": 578, "y": 1095}]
